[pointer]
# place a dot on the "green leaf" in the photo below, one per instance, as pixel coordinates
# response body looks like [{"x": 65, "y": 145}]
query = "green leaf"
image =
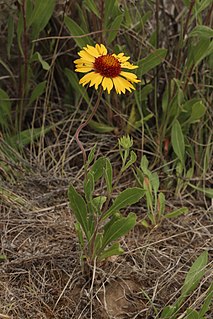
[
  {"x": 108, "y": 11},
  {"x": 98, "y": 168},
  {"x": 168, "y": 312},
  {"x": 5, "y": 108},
  {"x": 202, "y": 31},
  {"x": 101, "y": 127},
  {"x": 25, "y": 137},
  {"x": 79, "y": 208},
  {"x": 200, "y": 6},
  {"x": 113, "y": 250},
  {"x": 77, "y": 32},
  {"x": 37, "y": 57},
  {"x": 91, "y": 154},
  {"x": 161, "y": 204},
  {"x": 207, "y": 302},
  {"x": 144, "y": 165},
  {"x": 89, "y": 184},
  {"x": 195, "y": 274},
  {"x": 126, "y": 198},
  {"x": 177, "y": 212},
  {"x": 91, "y": 6},
  {"x": 198, "y": 52},
  {"x": 80, "y": 235},
  {"x": 74, "y": 82},
  {"x": 37, "y": 92},
  {"x": 154, "y": 180},
  {"x": 144, "y": 223},
  {"x": 207, "y": 191},
  {"x": 118, "y": 229},
  {"x": 133, "y": 158},
  {"x": 108, "y": 175},
  {"x": 151, "y": 61},
  {"x": 177, "y": 140},
  {"x": 198, "y": 111},
  {"x": 114, "y": 28},
  {"x": 192, "y": 314},
  {"x": 41, "y": 15},
  {"x": 98, "y": 202}
]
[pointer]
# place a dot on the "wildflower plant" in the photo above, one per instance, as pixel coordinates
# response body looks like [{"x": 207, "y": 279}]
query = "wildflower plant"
[
  {"x": 100, "y": 223},
  {"x": 155, "y": 199}
]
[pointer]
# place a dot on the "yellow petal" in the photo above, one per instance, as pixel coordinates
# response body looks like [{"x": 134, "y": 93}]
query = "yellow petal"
[
  {"x": 87, "y": 78},
  {"x": 130, "y": 76},
  {"x": 107, "y": 84},
  {"x": 96, "y": 80},
  {"x": 83, "y": 69},
  {"x": 117, "y": 85},
  {"x": 128, "y": 65},
  {"x": 92, "y": 51},
  {"x": 83, "y": 62},
  {"x": 121, "y": 58},
  {"x": 126, "y": 84},
  {"x": 86, "y": 56},
  {"x": 101, "y": 49}
]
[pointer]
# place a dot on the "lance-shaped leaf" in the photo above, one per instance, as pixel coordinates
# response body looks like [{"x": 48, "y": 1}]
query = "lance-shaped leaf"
[
  {"x": 98, "y": 168},
  {"x": 118, "y": 229},
  {"x": 78, "y": 207},
  {"x": 177, "y": 140},
  {"x": 108, "y": 175},
  {"x": 195, "y": 274},
  {"x": 113, "y": 250},
  {"x": 124, "y": 199}
]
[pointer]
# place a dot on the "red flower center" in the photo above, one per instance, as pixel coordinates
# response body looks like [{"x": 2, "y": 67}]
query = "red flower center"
[{"x": 107, "y": 65}]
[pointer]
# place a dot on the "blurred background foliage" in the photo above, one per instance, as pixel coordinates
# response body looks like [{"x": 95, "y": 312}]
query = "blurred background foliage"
[{"x": 169, "y": 115}]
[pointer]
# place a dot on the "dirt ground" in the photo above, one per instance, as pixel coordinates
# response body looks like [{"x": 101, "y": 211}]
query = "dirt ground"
[{"x": 40, "y": 273}]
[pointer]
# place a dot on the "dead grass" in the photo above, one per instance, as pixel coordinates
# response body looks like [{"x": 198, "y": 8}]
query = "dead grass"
[{"x": 41, "y": 276}]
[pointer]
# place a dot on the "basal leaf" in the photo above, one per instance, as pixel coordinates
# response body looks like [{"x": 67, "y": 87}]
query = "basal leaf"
[
  {"x": 108, "y": 175},
  {"x": 207, "y": 302},
  {"x": 79, "y": 208},
  {"x": 118, "y": 229},
  {"x": 98, "y": 168},
  {"x": 177, "y": 212},
  {"x": 195, "y": 274},
  {"x": 113, "y": 250},
  {"x": 177, "y": 140},
  {"x": 89, "y": 184},
  {"x": 126, "y": 198}
]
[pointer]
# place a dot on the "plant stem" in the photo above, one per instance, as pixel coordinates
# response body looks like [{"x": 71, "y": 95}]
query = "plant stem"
[{"x": 85, "y": 124}]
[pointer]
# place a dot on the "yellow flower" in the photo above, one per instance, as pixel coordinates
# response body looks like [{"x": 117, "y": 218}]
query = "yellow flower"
[{"x": 105, "y": 69}]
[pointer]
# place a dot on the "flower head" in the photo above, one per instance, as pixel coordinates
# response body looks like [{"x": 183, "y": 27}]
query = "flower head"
[
  {"x": 125, "y": 142},
  {"x": 105, "y": 69}
]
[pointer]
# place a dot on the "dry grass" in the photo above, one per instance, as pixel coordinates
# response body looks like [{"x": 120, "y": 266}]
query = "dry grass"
[{"x": 41, "y": 276}]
